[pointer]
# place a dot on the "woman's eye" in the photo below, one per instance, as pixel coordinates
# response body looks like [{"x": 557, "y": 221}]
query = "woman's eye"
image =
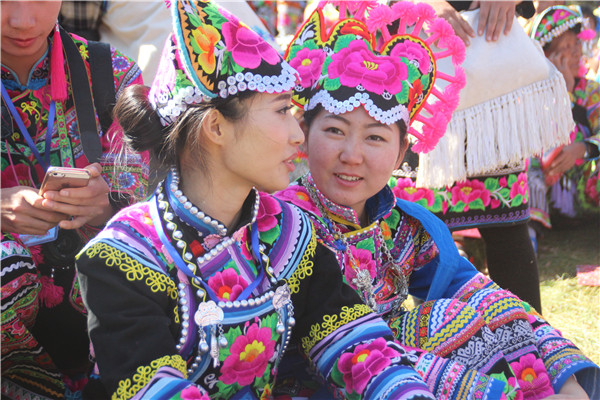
[
  {"x": 376, "y": 138},
  {"x": 284, "y": 110},
  {"x": 335, "y": 131}
]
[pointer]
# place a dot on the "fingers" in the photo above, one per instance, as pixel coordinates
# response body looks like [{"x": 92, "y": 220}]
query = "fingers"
[
  {"x": 463, "y": 30},
  {"x": 495, "y": 17}
]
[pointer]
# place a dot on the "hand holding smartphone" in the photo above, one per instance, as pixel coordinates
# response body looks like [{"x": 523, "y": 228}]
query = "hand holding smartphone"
[{"x": 58, "y": 178}]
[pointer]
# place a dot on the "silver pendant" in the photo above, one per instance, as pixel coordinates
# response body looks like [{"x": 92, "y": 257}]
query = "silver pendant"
[
  {"x": 209, "y": 314},
  {"x": 362, "y": 281}
]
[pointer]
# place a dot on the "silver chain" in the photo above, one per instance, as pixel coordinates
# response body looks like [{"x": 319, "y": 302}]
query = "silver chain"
[{"x": 363, "y": 279}]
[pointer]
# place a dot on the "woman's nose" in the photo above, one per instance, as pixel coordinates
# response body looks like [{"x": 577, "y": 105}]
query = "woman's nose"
[
  {"x": 21, "y": 15},
  {"x": 350, "y": 152}
]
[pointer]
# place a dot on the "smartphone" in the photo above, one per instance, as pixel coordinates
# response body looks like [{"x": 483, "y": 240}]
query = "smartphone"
[{"x": 58, "y": 178}]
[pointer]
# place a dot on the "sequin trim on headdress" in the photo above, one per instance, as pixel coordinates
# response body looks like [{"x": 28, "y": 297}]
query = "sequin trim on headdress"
[
  {"x": 393, "y": 76},
  {"x": 211, "y": 54}
]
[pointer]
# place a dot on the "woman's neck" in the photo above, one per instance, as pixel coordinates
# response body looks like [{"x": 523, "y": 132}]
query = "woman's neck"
[
  {"x": 214, "y": 196},
  {"x": 22, "y": 65}
]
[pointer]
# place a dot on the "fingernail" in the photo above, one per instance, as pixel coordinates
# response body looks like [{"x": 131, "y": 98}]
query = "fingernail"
[{"x": 49, "y": 195}]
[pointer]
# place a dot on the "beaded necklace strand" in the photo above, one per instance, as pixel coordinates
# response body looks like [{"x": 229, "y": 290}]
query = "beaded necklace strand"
[{"x": 363, "y": 280}]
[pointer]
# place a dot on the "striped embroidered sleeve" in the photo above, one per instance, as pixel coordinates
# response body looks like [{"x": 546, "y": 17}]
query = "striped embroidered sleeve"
[{"x": 352, "y": 349}]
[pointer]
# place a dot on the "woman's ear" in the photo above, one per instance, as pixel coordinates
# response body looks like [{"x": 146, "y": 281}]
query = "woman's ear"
[{"x": 213, "y": 126}]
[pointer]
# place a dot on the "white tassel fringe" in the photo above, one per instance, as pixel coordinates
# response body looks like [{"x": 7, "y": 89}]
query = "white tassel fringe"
[{"x": 502, "y": 131}]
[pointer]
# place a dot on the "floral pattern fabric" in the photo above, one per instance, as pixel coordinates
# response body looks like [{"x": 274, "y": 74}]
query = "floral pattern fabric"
[
  {"x": 299, "y": 291},
  {"x": 466, "y": 320},
  {"x": 31, "y": 300},
  {"x": 499, "y": 198}
]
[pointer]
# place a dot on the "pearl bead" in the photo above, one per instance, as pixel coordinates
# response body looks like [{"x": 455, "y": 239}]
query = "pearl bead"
[
  {"x": 188, "y": 256},
  {"x": 178, "y": 193},
  {"x": 206, "y": 219},
  {"x": 162, "y": 206},
  {"x": 252, "y": 302},
  {"x": 292, "y": 321},
  {"x": 182, "y": 340},
  {"x": 177, "y": 234},
  {"x": 187, "y": 205},
  {"x": 223, "y": 342},
  {"x": 178, "y": 347},
  {"x": 203, "y": 348},
  {"x": 181, "y": 286},
  {"x": 236, "y": 304},
  {"x": 185, "y": 309},
  {"x": 170, "y": 226},
  {"x": 194, "y": 210},
  {"x": 280, "y": 329},
  {"x": 181, "y": 244},
  {"x": 244, "y": 303},
  {"x": 183, "y": 198}
]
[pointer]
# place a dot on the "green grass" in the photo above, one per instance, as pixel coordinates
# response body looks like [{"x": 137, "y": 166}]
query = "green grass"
[{"x": 569, "y": 307}]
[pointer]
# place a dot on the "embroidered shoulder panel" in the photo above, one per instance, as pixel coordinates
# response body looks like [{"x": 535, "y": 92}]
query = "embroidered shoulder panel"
[
  {"x": 331, "y": 323},
  {"x": 132, "y": 268},
  {"x": 144, "y": 374}
]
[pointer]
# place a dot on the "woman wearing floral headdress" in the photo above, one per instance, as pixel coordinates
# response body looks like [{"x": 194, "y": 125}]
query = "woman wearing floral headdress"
[
  {"x": 362, "y": 89},
  {"x": 198, "y": 291},
  {"x": 564, "y": 182}
]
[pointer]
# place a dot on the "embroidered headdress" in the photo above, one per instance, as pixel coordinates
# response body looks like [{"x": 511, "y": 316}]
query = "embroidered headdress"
[
  {"x": 359, "y": 62},
  {"x": 212, "y": 54},
  {"x": 553, "y": 22}
]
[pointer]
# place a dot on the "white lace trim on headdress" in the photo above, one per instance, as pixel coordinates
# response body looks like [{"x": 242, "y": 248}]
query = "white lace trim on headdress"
[{"x": 391, "y": 116}]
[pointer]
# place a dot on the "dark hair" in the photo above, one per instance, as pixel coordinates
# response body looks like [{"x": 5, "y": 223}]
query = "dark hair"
[
  {"x": 143, "y": 131},
  {"x": 310, "y": 115}
]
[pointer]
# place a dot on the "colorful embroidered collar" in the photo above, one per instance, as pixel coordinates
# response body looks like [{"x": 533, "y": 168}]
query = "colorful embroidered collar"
[
  {"x": 376, "y": 207},
  {"x": 358, "y": 62},
  {"x": 212, "y": 54},
  {"x": 553, "y": 22}
]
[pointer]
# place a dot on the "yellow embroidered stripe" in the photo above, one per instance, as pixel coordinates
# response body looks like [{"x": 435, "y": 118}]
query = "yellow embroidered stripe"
[
  {"x": 129, "y": 387},
  {"x": 331, "y": 323},
  {"x": 305, "y": 268},
  {"x": 133, "y": 269}
]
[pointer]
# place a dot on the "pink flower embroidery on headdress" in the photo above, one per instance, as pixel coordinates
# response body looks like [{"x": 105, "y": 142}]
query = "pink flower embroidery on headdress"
[
  {"x": 413, "y": 51},
  {"x": 357, "y": 65},
  {"x": 309, "y": 64},
  {"x": 246, "y": 47}
]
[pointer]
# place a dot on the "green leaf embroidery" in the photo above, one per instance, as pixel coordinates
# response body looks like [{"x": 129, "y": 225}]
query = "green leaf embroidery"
[
  {"x": 402, "y": 97},
  {"x": 393, "y": 219},
  {"x": 366, "y": 244},
  {"x": 459, "y": 207},
  {"x": 194, "y": 20},
  {"x": 216, "y": 18},
  {"x": 511, "y": 180},
  {"x": 342, "y": 42},
  {"x": 271, "y": 235},
  {"x": 477, "y": 204},
  {"x": 491, "y": 184},
  {"x": 332, "y": 84},
  {"x": 517, "y": 201}
]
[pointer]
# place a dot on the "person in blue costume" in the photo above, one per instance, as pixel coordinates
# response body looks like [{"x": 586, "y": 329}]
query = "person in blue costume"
[
  {"x": 363, "y": 88},
  {"x": 199, "y": 291}
]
